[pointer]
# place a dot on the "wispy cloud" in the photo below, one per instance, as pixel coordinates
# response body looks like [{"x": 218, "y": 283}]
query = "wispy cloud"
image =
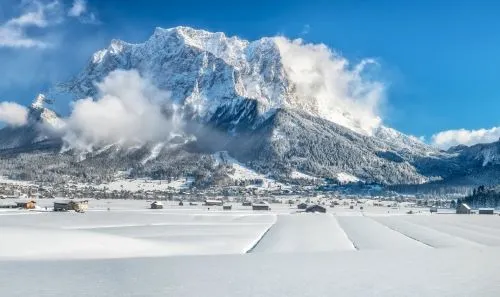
[
  {"x": 13, "y": 33},
  {"x": 447, "y": 139},
  {"x": 80, "y": 10},
  {"x": 41, "y": 14},
  {"x": 305, "y": 30}
]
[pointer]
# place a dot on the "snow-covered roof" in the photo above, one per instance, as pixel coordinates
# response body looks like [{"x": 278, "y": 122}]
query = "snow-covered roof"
[{"x": 466, "y": 206}]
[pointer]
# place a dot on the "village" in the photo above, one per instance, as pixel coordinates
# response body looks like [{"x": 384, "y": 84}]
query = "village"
[{"x": 65, "y": 197}]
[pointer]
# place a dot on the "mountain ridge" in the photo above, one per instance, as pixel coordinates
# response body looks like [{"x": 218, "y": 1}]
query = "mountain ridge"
[{"x": 239, "y": 97}]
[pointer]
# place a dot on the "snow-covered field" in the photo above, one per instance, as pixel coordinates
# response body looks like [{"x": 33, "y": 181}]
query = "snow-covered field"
[
  {"x": 130, "y": 250},
  {"x": 128, "y": 229}
]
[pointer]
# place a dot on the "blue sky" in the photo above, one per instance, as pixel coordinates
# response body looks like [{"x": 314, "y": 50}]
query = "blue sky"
[{"x": 440, "y": 60}]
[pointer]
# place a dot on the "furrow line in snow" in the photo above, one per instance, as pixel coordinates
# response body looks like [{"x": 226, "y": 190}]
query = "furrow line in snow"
[
  {"x": 258, "y": 240},
  {"x": 345, "y": 234}
]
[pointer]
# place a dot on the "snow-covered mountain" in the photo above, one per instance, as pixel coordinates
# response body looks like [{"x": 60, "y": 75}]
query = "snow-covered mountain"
[
  {"x": 207, "y": 71},
  {"x": 244, "y": 98}
]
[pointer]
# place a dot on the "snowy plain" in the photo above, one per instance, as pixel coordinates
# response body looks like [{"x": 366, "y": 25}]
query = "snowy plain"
[{"x": 130, "y": 250}]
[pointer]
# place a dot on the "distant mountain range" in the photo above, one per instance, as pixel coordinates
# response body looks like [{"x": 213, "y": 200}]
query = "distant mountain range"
[{"x": 237, "y": 97}]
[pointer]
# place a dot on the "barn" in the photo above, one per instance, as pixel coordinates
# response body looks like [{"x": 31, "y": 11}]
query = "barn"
[
  {"x": 302, "y": 205},
  {"x": 260, "y": 206},
  {"x": 463, "y": 209},
  {"x": 30, "y": 204},
  {"x": 8, "y": 205},
  {"x": 156, "y": 205},
  {"x": 213, "y": 202},
  {"x": 316, "y": 208},
  {"x": 488, "y": 211},
  {"x": 78, "y": 206},
  {"x": 61, "y": 206}
]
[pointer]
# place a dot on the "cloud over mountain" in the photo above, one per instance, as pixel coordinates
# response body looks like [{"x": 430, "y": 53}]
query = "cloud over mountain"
[
  {"x": 128, "y": 110},
  {"x": 13, "y": 114},
  {"x": 449, "y": 138},
  {"x": 338, "y": 91}
]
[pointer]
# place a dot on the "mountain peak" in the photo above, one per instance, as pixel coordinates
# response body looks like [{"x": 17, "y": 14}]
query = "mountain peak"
[
  {"x": 38, "y": 102},
  {"x": 40, "y": 114}
]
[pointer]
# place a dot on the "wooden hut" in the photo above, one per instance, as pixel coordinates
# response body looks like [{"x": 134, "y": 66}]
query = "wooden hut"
[{"x": 227, "y": 207}]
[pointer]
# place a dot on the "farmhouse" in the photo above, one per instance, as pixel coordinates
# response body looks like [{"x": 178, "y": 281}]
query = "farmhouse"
[{"x": 463, "y": 209}]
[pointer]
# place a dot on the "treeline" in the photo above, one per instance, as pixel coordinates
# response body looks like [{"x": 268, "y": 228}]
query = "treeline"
[{"x": 482, "y": 197}]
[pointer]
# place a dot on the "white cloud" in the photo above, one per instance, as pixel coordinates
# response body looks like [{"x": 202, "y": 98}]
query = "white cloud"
[
  {"x": 128, "y": 110},
  {"x": 13, "y": 114},
  {"x": 326, "y": 84},
  {"x": 79, "y": 8},
  {"x": 13, "y": 33},
  {"x": 447, "y": 139},
  {"x": 15, "y": 37}
]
